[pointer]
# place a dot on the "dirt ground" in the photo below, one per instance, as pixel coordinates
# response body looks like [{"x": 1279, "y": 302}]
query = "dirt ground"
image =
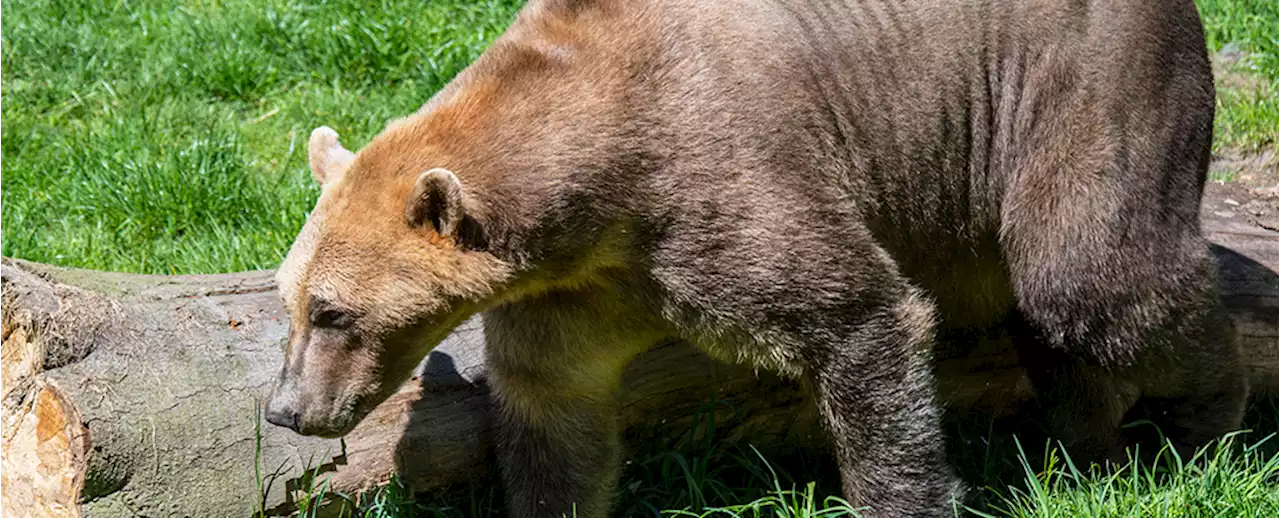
[{"x": 1250, "y": 195}]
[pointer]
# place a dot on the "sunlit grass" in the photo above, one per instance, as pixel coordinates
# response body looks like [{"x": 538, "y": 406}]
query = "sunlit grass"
[
  {"x": 162, "y": 138},
  {"x": 1246, "y": 32}
]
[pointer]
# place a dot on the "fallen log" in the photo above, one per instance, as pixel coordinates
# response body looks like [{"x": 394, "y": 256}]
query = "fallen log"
[{"x": 129, "y": 395}]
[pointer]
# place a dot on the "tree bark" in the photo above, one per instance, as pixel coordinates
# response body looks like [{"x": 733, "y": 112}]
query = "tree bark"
[{"x": 135, "y": 395}]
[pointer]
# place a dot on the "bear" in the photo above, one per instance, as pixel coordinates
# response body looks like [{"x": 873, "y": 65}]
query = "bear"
[{"x": 815, "y": 188}]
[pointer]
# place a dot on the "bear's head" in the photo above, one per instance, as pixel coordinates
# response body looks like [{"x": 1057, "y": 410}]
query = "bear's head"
[{"x": 388, "y": 263}]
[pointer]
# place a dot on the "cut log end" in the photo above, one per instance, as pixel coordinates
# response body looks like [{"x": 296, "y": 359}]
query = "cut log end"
[
  {"x": 44, "y": 457},
  {"x": 22, "y": 354}
]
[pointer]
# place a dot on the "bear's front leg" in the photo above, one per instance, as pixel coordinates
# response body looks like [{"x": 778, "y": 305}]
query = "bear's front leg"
[
  {"x": 555, "y": 368},
  {"x": 875, "y": 393},
  {"x": 557, "y": 453}
]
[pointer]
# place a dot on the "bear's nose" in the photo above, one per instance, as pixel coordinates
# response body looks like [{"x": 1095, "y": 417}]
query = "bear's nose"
[{"x": 283, "y": 415}]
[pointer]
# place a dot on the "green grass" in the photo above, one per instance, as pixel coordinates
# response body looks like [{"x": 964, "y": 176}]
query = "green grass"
[
  {"x": 1245, "y": 32},
  {"x": 169, "y": 137},
  {"x": 1222, "y": 481},
  {"x": 1230, "y": 478}
]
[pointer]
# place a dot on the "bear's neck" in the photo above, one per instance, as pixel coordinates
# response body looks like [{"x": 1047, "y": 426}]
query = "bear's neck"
[{"x": 547, "y": 134}]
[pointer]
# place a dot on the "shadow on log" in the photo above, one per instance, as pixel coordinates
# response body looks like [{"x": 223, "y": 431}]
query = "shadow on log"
[{"x": 138, "y": 395}]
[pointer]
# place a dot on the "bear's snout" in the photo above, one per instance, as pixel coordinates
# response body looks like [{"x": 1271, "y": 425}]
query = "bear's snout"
[
  {"x": 281, "y": 413},
  {"x": 294, "y": 406},
  {"x": 283, "y": 408}
]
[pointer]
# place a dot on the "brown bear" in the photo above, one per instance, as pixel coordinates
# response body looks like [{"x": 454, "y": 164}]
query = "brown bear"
[{"x": 816, "y": 188}]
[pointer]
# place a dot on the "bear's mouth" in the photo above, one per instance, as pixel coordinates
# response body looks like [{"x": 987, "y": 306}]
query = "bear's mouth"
[
  {"x": 340, "y": 423},
  {"x": 332, "y": 433},
  {"x": 351, "y": 413}
]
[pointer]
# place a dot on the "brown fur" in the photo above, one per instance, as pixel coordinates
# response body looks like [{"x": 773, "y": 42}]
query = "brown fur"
[{"x": 815, "y": 188}]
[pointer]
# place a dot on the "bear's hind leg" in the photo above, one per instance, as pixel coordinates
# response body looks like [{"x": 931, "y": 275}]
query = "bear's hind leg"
[
  {"x": 1199, "y": 393},
  {"x": 1082, "y": 405},
  {"x": 1122, "y": 315}
]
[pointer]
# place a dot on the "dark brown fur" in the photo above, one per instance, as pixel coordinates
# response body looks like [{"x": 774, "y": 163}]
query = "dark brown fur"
[{"x": 815, "y": 188}]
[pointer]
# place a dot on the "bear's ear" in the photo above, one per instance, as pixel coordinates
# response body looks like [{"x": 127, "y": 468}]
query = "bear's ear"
[
  {"x": 436, "y": 200},
  {"x": 329, "y": 160}
]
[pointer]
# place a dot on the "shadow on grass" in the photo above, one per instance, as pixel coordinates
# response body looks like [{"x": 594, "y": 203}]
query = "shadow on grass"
[
  {"x": 997, "y": 457},
  {"x": 1008, "y": 474}
]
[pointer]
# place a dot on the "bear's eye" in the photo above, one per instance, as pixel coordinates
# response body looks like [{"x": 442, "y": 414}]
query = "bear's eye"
[{"x": 331, "y": 319}]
